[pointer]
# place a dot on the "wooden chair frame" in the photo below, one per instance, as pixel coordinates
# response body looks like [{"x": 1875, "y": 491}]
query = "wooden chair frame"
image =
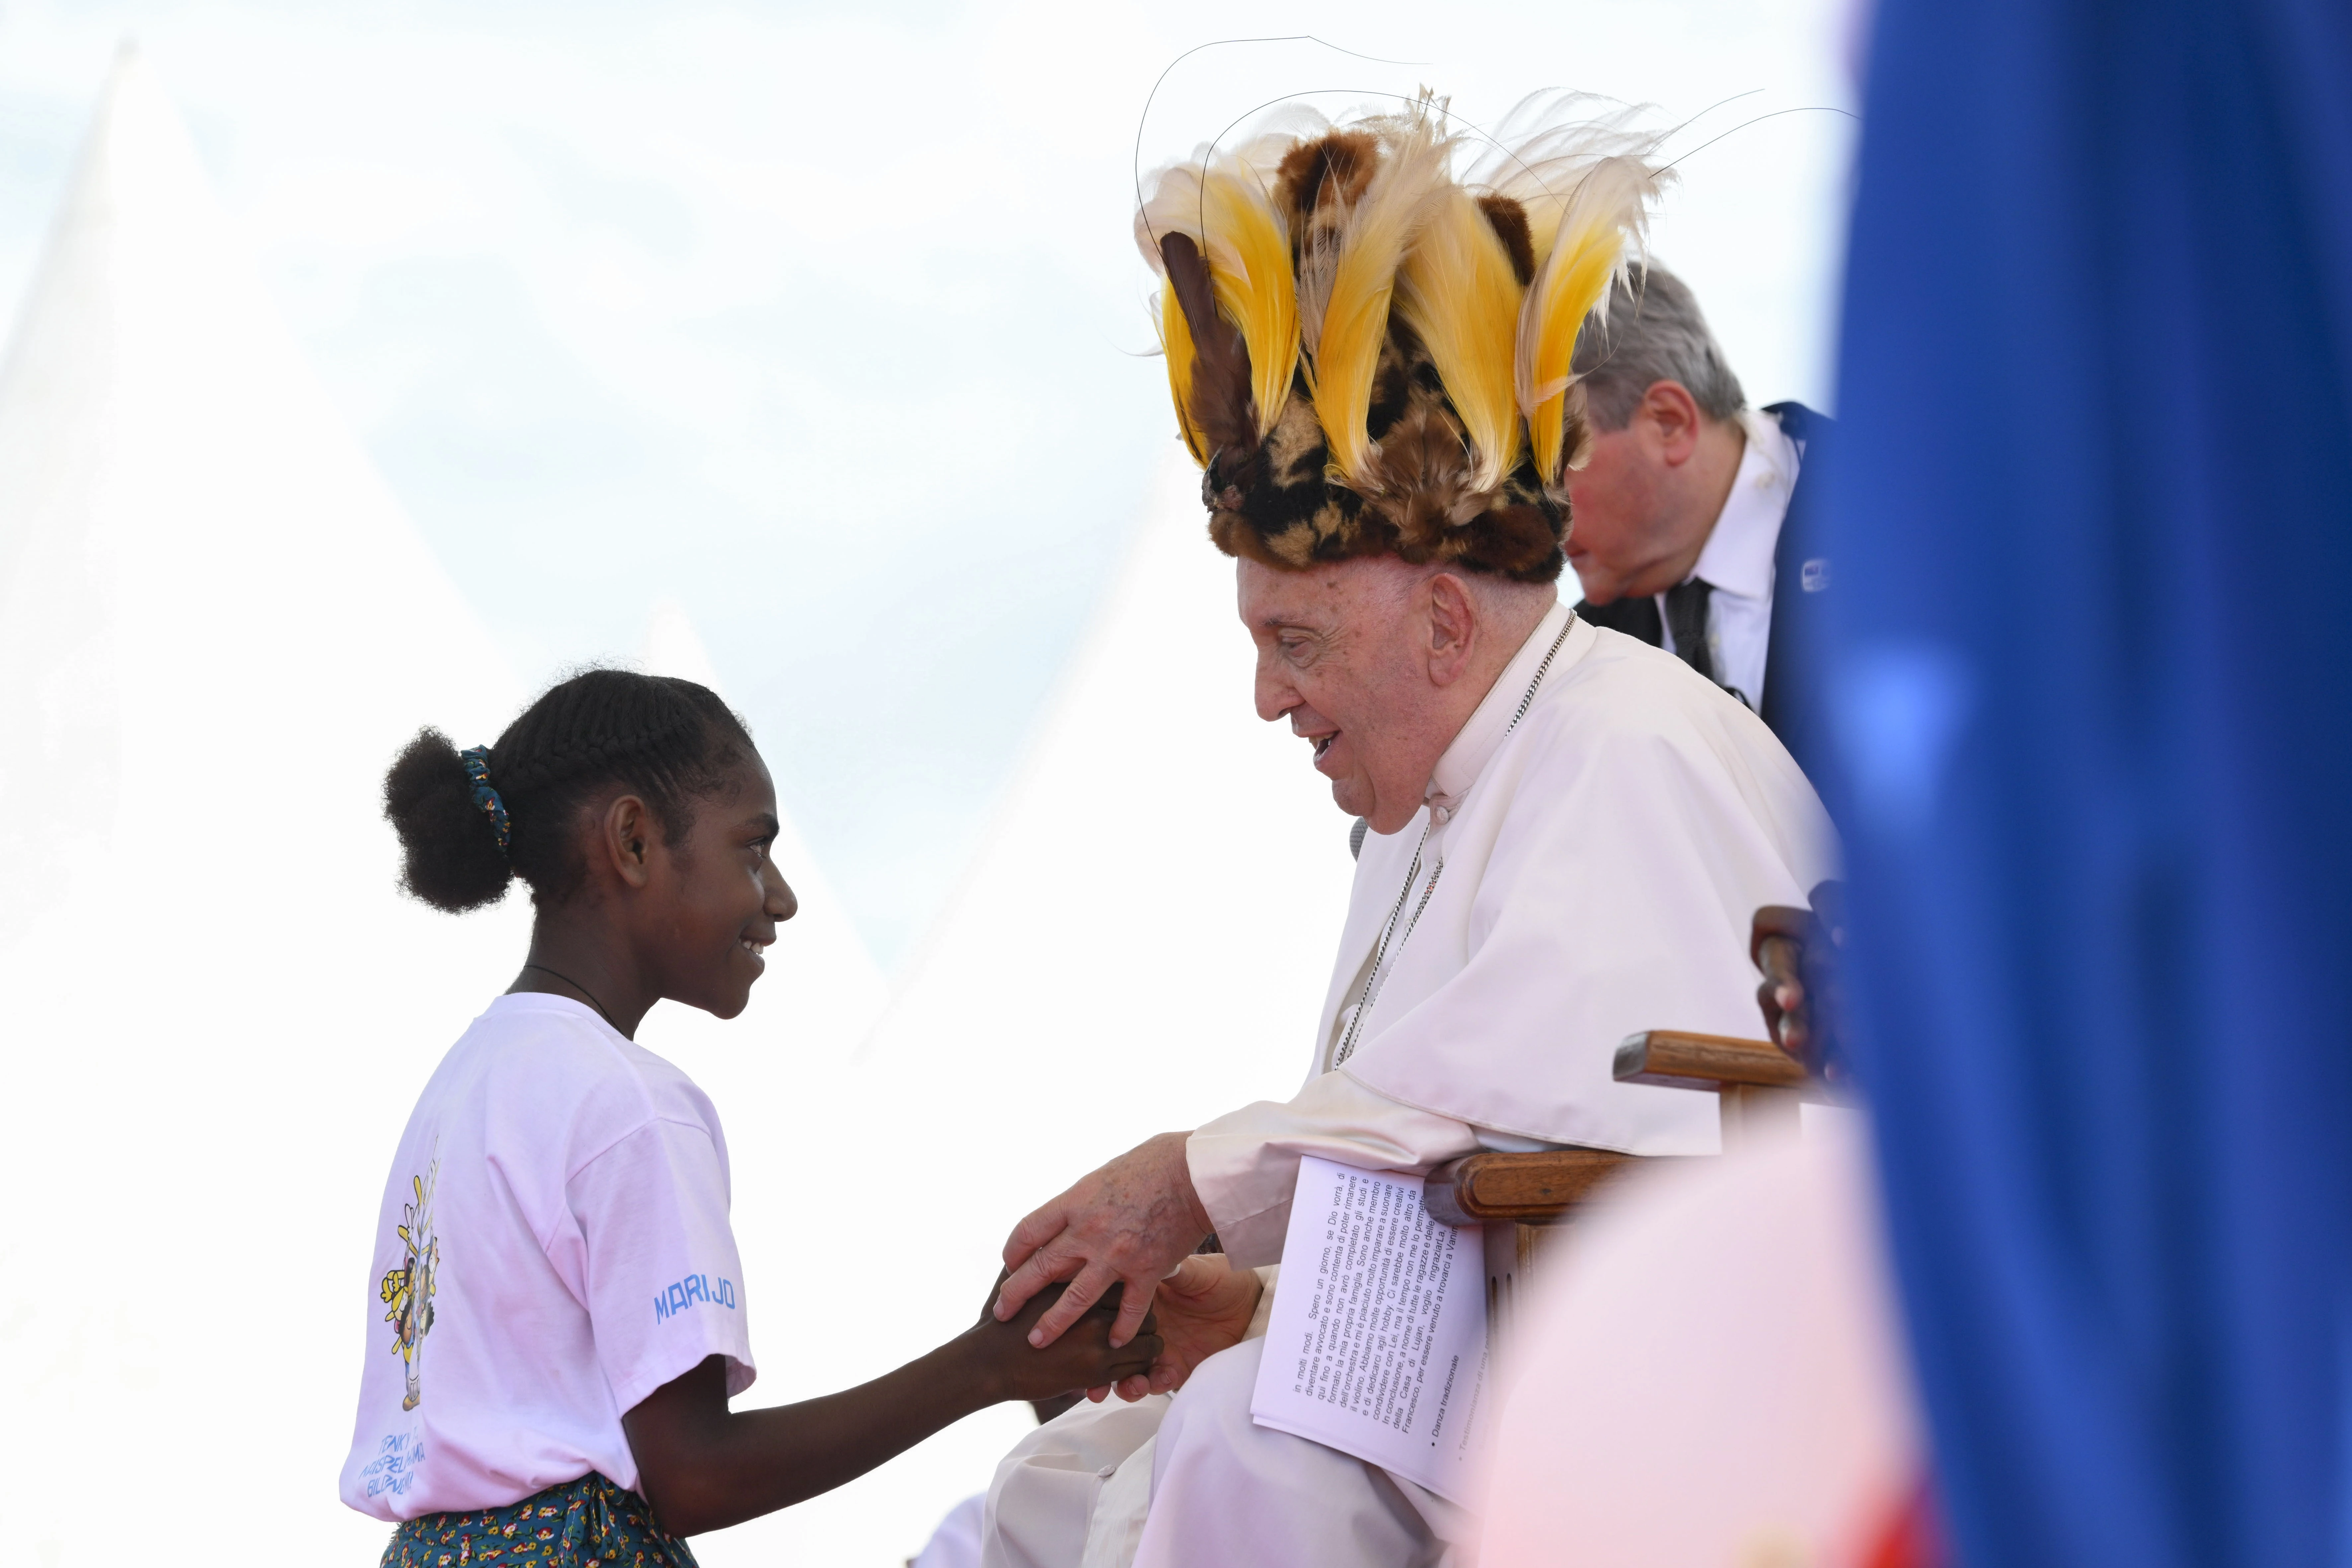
[{"x": 1520, "y": 1200}]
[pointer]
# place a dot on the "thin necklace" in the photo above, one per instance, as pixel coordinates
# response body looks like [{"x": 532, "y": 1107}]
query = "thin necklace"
[
  {"x": 1388, "y": 930},
  {"x": 1380, "y": 952},
  {"x": 584, "y": 991}
]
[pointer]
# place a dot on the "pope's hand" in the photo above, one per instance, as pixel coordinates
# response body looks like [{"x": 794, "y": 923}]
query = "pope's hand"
[
  {"x": 1130, "y": 1222},
  {"x": 1204, "y": 1308}
]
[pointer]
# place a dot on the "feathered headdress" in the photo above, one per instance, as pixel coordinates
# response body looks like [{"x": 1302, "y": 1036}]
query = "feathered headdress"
[{"x": 1371, "y": 356}]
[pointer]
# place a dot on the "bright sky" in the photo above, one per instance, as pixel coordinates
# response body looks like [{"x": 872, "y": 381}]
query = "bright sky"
[{"x": 828, "y": 325}]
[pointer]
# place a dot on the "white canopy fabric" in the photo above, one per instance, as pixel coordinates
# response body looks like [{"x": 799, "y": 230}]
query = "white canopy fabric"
[{"x": 216, "y": 628}]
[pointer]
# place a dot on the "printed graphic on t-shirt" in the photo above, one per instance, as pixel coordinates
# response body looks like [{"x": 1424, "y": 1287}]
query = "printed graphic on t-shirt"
[
  {"x": 686, "y": 1292},
  {"x": 408, "y": 1290},
  {"x": 393, "y": 1468}
]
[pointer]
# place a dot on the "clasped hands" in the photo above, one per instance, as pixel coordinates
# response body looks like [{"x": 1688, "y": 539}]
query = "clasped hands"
[{"x": 1135, "y": 1223}]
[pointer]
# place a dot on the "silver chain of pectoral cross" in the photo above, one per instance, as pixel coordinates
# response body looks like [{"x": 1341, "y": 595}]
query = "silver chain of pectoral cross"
[
  {"x": 1380, "y": 952},
  {"x": 1379, "y": 973}
]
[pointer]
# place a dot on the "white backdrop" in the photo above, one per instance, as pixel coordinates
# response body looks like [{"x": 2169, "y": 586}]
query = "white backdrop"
[
  {"x": 216, "y": 624},
  {"x": 216, "y": 627},
  {"x": 826, "y": 321}
]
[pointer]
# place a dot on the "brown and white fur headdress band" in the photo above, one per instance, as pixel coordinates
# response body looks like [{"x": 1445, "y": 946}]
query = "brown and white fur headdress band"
[{"x": 1370, "y": 356}]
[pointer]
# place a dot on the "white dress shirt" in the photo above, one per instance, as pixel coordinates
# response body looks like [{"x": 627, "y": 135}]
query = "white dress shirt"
[
  {"x": 1596, "y": 862},
  {"x": 1738, "y": 558}
]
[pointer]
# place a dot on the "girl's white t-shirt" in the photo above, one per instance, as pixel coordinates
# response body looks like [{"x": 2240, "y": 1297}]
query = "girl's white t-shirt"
[{"x": 553, "y": 1248}]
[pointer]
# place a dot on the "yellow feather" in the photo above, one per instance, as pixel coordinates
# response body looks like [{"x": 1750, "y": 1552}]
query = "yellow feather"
[
  {"x": 1355, "y": 312},
  {"x": 1176, "y": 343},
  {"x": 1568, "y": 293},
  {"x": 1458, "y": 293},
  {"x": 1249, "y": 270},
  {"x": 1585, "y": 250},
  {"x": 1224, "y": 209},
  {"x": 1355, "y": 323}
]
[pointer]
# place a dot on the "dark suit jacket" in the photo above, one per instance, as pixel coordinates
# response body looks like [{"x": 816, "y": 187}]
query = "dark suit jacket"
[{"x": 1800, "y": 587}]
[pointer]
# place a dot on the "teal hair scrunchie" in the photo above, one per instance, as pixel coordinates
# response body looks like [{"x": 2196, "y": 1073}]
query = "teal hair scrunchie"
[{"x": 478, "y": 768}]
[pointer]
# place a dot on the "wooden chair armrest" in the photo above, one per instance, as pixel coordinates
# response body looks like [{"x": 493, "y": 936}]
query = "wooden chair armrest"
[
  {"x": 1706, "y": 1061},
  {"x": 1533, "y": 1189}
]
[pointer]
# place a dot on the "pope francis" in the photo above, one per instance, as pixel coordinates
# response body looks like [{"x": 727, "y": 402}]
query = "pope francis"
[{"x": 1568, "y": 830}]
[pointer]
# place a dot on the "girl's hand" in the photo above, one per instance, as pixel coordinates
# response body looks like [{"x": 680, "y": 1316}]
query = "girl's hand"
[
  {"x": 1081, "y": 1358},
  {"x": 703, "y": 1467}
]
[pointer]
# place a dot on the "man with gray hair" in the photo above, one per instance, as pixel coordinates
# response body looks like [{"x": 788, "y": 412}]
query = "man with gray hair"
[{"x": 1689, "y": 528}]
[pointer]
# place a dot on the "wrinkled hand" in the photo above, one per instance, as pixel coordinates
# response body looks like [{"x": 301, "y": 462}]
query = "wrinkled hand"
[
  {"x": 1204, "y": 1307},
  {"x": 1130, "y": 1223}
]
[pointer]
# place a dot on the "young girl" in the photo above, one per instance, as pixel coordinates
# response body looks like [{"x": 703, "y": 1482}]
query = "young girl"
[{"x": 556, "y": 1313}]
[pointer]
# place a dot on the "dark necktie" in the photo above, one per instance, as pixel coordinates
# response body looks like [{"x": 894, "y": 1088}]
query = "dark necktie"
[{"x": 1686, "y": 618}]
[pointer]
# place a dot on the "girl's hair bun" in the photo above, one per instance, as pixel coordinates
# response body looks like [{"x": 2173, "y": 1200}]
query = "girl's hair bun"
[
  {"x": 450, "y": 852},
  {"x": 667, "y": 740}
]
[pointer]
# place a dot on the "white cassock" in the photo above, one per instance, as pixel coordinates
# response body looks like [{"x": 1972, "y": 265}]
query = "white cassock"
[{"x": 1594, "y": 844}]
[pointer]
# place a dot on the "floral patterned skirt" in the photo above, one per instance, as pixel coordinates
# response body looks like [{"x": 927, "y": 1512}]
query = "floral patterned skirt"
[{"x": 576, "y": 1525}]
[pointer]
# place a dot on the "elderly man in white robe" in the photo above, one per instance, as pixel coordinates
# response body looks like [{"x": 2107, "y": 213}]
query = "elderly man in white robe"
[{"x": 1569, "y": 832}]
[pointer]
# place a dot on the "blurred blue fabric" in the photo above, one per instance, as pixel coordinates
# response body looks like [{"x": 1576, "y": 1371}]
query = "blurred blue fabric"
[{"x": 2093, "y": 523}]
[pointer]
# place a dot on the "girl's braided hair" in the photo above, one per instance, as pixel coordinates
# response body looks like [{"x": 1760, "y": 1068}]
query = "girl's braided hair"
[{"x": 602, "y": 731}]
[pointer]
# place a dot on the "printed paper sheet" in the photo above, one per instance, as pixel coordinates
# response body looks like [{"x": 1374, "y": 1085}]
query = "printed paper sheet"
[{"x": 1377, "y": 1345}]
